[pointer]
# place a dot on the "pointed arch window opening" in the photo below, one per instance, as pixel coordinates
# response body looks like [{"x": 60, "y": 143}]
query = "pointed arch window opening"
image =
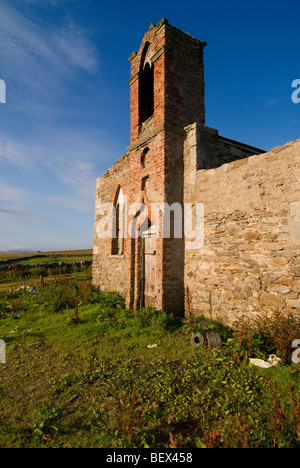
[
  {"x": 118, "y": 224},
  {"x": 146, "y": 87}
]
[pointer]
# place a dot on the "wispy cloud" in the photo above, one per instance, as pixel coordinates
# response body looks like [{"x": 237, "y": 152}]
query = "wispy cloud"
[
  {"x": 11, "y": 193},
  {"x": 80, "y": 178},
  {"x": 10, "y": 212},
  {"x": 12, "y": 152},
  {"x": 24, "y": 156},
  {"x": 48, "y": 141},
  {"x": 73, "y": 44},
  {"x": 53, "y": 3},
  {"x": 68, "y": 161},
  {"x": 72, "y": 203},
  {"x": 36, "y": 62},
  {"x": 271, "y": 102},
  {"x": 79, "y": 175},
  {"x": 12, "y": 200}
]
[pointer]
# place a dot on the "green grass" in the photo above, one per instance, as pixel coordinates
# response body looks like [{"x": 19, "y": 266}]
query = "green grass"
[
  {"x": 54, "y": 259},
  {"x": 79, "y": 373},
  {"x": 17, "y": 277},
  {"x": 60, "y": 254}
]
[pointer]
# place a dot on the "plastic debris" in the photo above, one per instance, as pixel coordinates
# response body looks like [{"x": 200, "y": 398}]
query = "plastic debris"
[
  {"x": 273, "y": 361},
  {"x": 31, "y": 289},
  {"x": 152, "y": 346}
]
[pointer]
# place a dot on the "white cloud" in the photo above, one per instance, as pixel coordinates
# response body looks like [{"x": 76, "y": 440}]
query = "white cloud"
[
  {"x": 79, "y": 175},
  {"x": 52, "y": 3},
  {"x": 67, "y": 158},
  {"x": 12, "y": 200},
  {"x": 10, "y": 193},
  {"x": 73, "y": 203},
  {"x": 13, "y": 153},
  {"x": 36, "y": 61},
  {"x": 77, "y": 48},
  {"x": 80, "y": 178},
  {"x": 46, "y": 66},
  {"x": 10, "y": 212}
]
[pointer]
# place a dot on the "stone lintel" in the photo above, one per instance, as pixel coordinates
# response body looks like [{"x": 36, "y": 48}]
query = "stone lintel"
[{"x": 133, "y": 78}]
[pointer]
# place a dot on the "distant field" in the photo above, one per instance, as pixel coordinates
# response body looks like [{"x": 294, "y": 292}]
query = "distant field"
[
  {"x": 30, "y": 267},
  {"x": 62, "y": 253}
]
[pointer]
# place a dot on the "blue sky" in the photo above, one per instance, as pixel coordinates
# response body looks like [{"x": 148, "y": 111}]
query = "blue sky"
[{"x": 66, "y": 117}]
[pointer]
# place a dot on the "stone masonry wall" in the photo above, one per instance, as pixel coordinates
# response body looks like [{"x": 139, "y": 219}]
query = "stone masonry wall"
[
  {"x": 109, "y": 271},
  {"x": 250, "y": 261},
  {"x": 214, "y": 150}
]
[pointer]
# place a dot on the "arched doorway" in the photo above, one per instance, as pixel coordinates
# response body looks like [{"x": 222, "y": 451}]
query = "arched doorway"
[
  {"x": 149, "y": 266},
  {"x": 143, "y": 277}
]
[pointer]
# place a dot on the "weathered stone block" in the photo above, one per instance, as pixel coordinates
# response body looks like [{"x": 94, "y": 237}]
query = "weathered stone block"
[
  {"x": 271, "y": 300},
  {"x": 294, "y": 304},
  {"x": 295, "y": 221}
]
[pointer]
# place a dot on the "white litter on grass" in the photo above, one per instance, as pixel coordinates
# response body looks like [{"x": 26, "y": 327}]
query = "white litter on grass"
[
  {"x": 152, "y": 346},
  {"x": 273, "y": 361},
  {"x": 26, "y": 288}
]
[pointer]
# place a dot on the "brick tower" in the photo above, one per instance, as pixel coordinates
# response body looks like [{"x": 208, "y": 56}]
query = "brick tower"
[
  {"x": 167, "y": 94},
  {"x": 149, "y": 242}
]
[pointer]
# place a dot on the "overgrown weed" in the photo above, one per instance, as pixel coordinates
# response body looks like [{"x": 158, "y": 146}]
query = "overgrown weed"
[
  {"x": 266, "y": 334},
  {"x": 128, "y": 395}
]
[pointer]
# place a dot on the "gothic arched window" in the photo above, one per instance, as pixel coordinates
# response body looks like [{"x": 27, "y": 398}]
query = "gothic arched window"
[
  {"x": 146, "y": 86},
  {"x": 118, "y": 223}
]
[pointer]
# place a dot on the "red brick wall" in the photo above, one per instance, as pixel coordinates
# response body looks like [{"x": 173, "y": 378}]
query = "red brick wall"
[
  {"x": 177, "y": 59},
  {"x": 184, "y": 82},
  {"x": 178, "y": 78},
  {"x": 178, "y": 101},
  {"x": 154, "y": 193}
]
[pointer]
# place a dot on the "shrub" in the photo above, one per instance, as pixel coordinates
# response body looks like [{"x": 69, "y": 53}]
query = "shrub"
[
  {"x": 57, "y": 297},
  {"x": 266, "y": 335},
  {"x": 16, "y": 302},
  {"x": 65, "y": 294},
  {"x": 111, "y": 299},
  {"x": 150, "y": 317}
]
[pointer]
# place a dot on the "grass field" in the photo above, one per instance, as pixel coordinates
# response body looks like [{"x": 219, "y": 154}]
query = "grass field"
[
  {"x": 61, "y": 253},
  {"x": 79, "y": 373},
  {"x": 37, "y": 267}
]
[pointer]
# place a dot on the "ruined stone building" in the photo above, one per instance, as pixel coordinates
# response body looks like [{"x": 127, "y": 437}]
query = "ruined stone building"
[{"x": 242, "y": 205}]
